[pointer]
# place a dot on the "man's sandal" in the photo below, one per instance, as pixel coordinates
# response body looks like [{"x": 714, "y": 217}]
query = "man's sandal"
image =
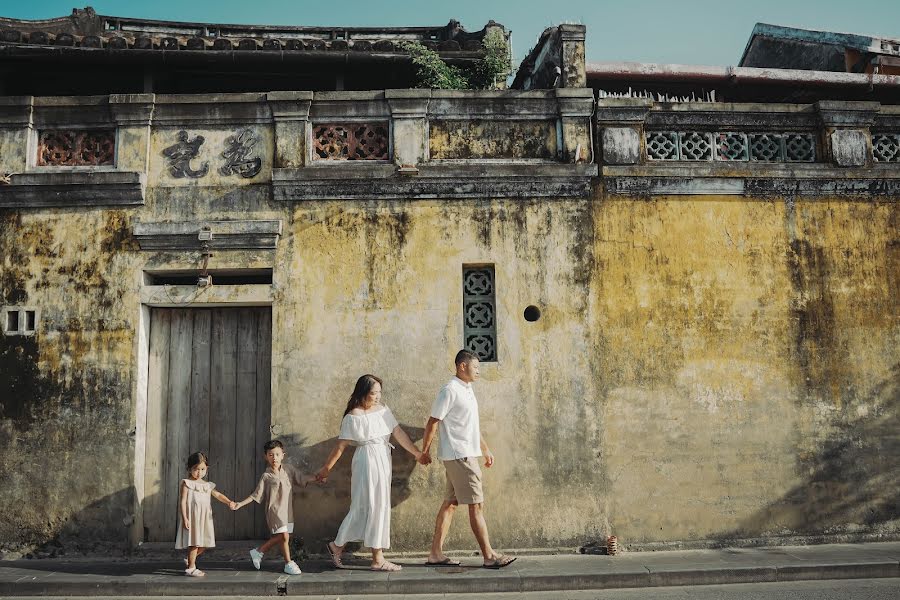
[
  {"x": 335, "y": 557},
  {"x": 195, "y": 572},
  {"x": 500, "y": 562},
  {"x": 386, "y": 566}
]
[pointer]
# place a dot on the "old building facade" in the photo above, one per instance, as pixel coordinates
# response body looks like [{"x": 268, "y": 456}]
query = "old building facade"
[{"x": 687, "y": 311}]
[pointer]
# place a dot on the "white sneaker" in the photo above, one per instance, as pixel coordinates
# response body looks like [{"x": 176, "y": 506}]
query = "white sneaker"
[
  {"x": 291, "y": 568},
  {"x": 255, "y": 557}
]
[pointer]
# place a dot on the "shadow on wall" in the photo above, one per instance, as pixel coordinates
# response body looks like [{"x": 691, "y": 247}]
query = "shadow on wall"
[
  {"x": 319, "y": 510},
  {"x": 854, "y": 479},
  {"x": 103, "y": 526}
]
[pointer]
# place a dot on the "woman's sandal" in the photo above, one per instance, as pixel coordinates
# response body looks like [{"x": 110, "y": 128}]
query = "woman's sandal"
[
  {"x": 387, "y": 566},
  {"x": 335, "y": 557},
  {"x": 195, "y": 572}
]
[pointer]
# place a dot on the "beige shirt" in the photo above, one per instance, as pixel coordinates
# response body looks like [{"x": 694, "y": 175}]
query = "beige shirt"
[{"x": 276, "y": 490}]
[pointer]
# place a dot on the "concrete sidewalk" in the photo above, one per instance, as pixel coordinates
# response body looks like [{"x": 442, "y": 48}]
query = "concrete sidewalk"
[{"x": 528, "y": 573}]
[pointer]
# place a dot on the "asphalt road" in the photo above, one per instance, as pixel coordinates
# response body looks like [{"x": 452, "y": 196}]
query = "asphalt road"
[{"x": 847, "y": 589}]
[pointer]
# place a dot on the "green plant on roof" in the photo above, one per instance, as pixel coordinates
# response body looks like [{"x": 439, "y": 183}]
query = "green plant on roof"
[{"x": 488, "y": 73}]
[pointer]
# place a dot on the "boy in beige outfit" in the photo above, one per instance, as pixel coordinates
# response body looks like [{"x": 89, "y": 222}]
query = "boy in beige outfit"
[{"x": 275, "y": 492}]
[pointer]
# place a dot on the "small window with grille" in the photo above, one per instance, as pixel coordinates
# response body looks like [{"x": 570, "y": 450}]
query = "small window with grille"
[{"x": 480, "y": 311}]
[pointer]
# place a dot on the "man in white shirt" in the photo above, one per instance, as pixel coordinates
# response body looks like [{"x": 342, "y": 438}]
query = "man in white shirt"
[{"x": 455, "y": 413}]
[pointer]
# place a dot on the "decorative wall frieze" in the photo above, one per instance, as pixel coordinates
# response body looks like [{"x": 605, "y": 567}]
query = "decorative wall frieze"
[{"x": 752, "y": 181}]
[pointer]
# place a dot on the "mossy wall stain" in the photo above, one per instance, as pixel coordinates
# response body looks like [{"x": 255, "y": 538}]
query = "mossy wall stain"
[
  {"x": 67, "y": 390},
  {"x": 471, "y": 139}
]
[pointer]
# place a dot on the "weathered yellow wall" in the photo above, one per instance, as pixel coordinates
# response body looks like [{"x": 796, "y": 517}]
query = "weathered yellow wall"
[
  {"x": 704, "y": 368},
  {"x": 750, "y": 366}
]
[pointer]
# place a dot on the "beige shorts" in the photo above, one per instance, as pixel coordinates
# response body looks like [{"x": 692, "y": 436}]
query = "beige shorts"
[
  {"x": 464, "y": 481},
  {"x": 289, "y": 528}
]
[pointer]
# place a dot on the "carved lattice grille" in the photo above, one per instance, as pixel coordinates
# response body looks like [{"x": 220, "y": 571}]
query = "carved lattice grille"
[
  {"x": 76, "y": 148},
  {"x": 695, "y": 146},
  {"x": 662, "y": 145},
  {"x": 480, "y": 312},
  {"x": 886, "y": 147},
  {"x": 731, "y": 146},
  {"x": 766, "y": 147},
  {"x": 799, "y": 147},
  {"x": 351, "y": 141}
]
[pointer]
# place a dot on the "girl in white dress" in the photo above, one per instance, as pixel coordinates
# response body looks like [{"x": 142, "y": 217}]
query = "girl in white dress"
[
  {"x": 368, "y": 425},
  {"x": 195, "y": 521}
]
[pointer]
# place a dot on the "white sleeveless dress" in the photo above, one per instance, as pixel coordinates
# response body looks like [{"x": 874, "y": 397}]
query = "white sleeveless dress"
[{"x": 369, "y": 519}]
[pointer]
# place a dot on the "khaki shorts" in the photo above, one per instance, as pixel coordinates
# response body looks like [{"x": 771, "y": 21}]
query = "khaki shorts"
[{"x": 464, "y": 481}]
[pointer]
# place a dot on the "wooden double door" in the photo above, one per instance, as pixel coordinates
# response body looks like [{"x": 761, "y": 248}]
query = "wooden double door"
[{"x": 209, "y": 390}]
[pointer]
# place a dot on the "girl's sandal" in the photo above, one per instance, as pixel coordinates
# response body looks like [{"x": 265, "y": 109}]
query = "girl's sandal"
[
  {"x": 195, "y": 572},
  {"x": 387, "y": 566},
  {"x": 335, "y": 557}
]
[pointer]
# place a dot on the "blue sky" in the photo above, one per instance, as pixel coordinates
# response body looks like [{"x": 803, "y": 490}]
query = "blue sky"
[{"x": 673, "y": 31}]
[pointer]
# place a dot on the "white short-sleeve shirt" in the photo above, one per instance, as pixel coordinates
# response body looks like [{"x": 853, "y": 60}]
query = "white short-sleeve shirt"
[{"x": 460, "y": 429}]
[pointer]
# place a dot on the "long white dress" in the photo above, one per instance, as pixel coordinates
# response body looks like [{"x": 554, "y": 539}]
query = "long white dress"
[{"x": 369, "y": 519}]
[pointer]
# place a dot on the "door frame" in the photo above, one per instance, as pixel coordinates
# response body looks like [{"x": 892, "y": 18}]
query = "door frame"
[{"x": 175, "y": 296}]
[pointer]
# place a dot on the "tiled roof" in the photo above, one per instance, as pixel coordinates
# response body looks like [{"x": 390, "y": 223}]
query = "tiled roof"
[{"x": 85, "y": 29}]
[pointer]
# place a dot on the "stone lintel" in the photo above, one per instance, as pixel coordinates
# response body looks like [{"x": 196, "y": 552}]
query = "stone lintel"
[
  {"x": 73, "y": 189},
  {"x": 290, "y": 106},
  {"x": 184, "y": 235},
  {"x": 614, "y": 111},
  {"x": 575, "y": 102},
  {"x": 837, "y": 113},
  {"x": 200, "y": 110},
  {"x": 132, "y": 110},
  {"x": 256, "y": 294},
  {"x": 439, "y": 181},
  {"x": 733, "y": 119},
  {"x": 408, "y": 104},
  {"x": 16, "y": 112},
  {"x": 493, "y": 104},
  {"x": 337, "y": 106}
]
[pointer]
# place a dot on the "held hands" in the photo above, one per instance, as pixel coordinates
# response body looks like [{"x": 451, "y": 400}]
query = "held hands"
[
  {"x": 322, "y": 475},
  {"x": 308, "y": 479},
  {"x": 233, "y": 505},
  {"x": 423, "y": 458}
]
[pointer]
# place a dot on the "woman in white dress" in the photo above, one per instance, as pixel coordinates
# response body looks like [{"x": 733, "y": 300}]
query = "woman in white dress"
[{"x": 368, "y": 425}]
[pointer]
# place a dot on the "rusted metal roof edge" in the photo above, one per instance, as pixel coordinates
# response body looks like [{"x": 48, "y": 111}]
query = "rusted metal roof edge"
[{"x": 731, "y": 75}]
